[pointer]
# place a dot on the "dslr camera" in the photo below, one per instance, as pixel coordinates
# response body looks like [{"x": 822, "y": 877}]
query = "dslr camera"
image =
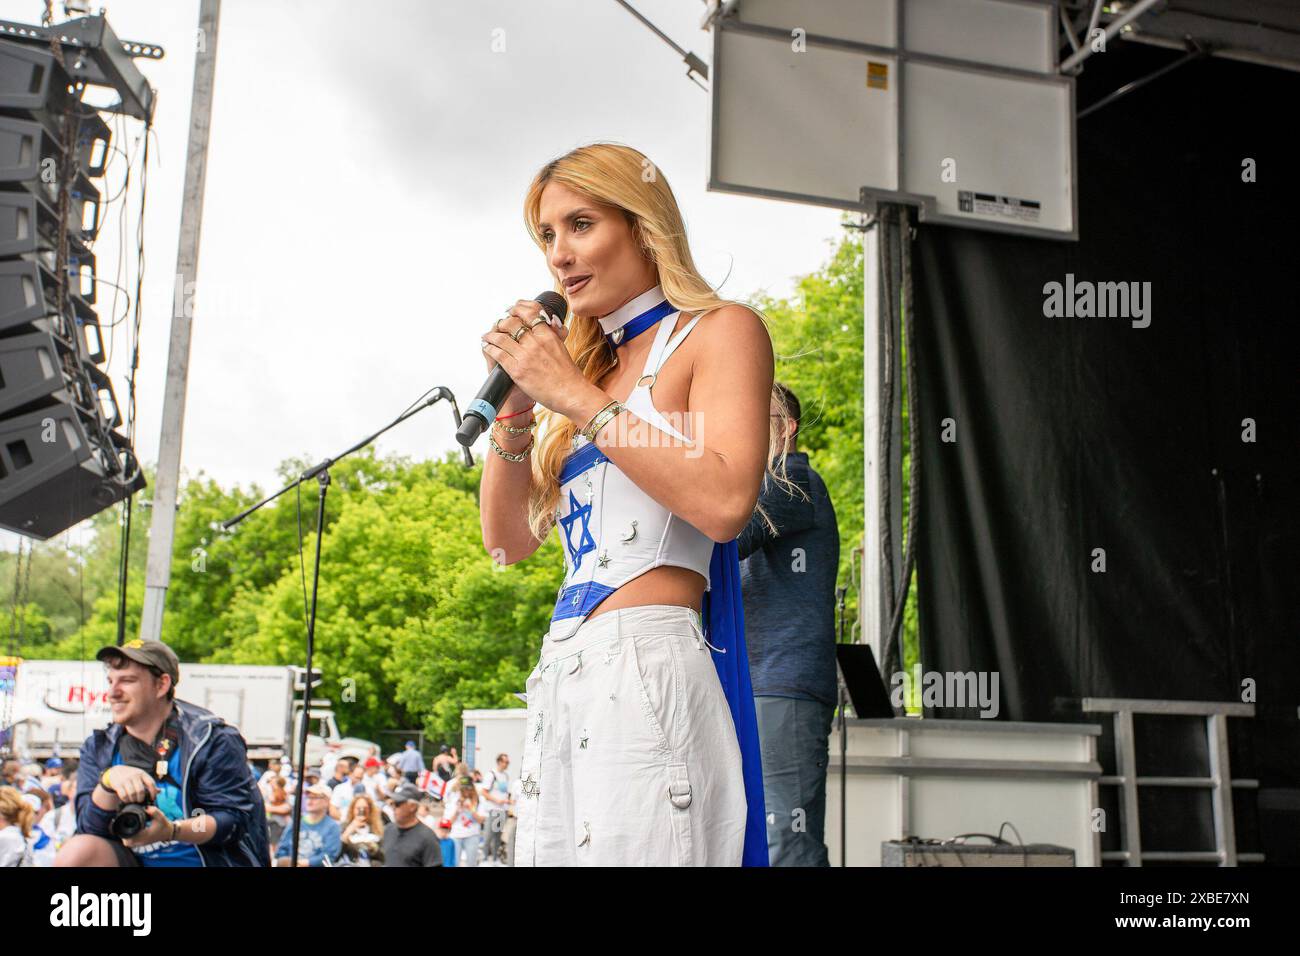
[{"x": 131, "y": 818}]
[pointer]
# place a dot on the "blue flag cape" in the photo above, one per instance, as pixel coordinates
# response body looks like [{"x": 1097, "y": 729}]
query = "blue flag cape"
[{"x": 724, "y": 626}]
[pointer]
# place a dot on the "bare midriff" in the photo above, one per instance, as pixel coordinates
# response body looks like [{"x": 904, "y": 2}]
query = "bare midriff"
[{"x": 666, "y": 584}]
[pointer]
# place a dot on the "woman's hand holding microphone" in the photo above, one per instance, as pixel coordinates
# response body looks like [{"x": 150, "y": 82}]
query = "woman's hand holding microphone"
[{"x": 530, "y": 347}]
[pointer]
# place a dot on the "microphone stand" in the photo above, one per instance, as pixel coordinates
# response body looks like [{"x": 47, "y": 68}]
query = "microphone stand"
[{"x": 322, "y": 475}]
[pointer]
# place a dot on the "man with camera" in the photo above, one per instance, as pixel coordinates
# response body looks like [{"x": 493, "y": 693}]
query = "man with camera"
[{"x": 167, "y": 783}]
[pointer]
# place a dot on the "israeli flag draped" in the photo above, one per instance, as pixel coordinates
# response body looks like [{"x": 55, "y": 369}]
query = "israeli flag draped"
[{"x": 724, "y": 626}]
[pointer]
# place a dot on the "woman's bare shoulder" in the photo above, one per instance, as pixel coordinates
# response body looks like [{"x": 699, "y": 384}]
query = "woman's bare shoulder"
[
  {"x": 727, "y": 313},
  {"x": 732, "y": 331}
]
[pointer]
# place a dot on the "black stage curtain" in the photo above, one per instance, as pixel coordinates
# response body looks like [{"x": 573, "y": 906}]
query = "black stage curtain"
[{"x": 1074, "y": 434}]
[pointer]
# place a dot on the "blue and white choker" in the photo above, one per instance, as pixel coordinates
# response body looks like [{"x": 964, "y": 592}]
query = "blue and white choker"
[{"x": 626, "y": 323}]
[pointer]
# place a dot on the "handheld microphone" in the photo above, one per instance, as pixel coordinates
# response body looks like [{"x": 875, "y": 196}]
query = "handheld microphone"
[{"x": 483, "y": 410}]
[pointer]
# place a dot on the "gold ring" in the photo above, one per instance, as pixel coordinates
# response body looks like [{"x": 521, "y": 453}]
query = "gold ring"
[
  {"x": 518, "y": 333},
  {"x": 496, "y": 326}
]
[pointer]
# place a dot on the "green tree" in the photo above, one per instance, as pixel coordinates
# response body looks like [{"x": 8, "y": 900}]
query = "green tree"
[
  {"x": 477, "y": 647},
  {"x": 401, "y": 538}
]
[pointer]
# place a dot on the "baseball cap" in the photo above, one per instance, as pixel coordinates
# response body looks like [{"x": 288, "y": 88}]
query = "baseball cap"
[
  {"x": 319, "y": 789},
  {"x": 149, "y": 653},
  {"x": 407, "y": 791},
  {"x": 373, "y": 762}
]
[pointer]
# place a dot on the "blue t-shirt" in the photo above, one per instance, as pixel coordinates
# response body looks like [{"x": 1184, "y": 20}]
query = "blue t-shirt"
[
  {"x": 319, "y": 841},
  {"x": 167, "y": 853}
]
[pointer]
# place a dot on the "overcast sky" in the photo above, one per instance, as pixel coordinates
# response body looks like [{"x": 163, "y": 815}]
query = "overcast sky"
[{"x": 363, "y": 218}]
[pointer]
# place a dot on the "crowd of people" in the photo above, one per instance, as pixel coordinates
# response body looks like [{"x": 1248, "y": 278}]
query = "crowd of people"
[
  {"x": 392, "y": 812},
  {"x": 170, "y": 784},
  {"x": 369, "y": 812},
  {"x": 37, "y": 813}
]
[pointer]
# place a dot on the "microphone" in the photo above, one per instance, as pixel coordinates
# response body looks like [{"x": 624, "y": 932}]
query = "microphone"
[{"x": 483, "y": 410}]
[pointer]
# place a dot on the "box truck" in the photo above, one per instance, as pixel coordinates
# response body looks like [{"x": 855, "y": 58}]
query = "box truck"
[{"x": 56, "y": 705}]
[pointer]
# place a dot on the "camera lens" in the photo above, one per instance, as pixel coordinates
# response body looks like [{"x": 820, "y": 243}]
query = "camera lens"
[{"x": 130, "y": 820}]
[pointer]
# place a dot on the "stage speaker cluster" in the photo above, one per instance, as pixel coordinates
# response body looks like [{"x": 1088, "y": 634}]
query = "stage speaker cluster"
[{"x": 62, "y": 458}]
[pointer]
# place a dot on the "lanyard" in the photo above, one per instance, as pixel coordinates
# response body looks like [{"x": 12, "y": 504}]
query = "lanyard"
[{"x": 163, "y": 749}]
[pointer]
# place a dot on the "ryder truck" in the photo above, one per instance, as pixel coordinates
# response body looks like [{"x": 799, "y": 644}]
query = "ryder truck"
[{"x": 57, "y": 704}]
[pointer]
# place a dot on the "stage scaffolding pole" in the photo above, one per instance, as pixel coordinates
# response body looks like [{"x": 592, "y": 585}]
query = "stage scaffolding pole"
[{"x": 163, "y": 527}]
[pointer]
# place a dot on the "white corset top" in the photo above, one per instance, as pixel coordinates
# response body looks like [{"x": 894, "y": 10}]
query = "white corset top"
[{"x": 612, "y": 531}]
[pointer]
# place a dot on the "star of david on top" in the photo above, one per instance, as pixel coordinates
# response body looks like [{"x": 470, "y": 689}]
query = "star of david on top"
[{"x": 585, "y": 541}]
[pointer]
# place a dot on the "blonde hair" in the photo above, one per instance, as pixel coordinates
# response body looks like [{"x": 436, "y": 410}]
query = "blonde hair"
[
  {"x": 620, "y": 176},
  {"x": 16, "y": 810}
]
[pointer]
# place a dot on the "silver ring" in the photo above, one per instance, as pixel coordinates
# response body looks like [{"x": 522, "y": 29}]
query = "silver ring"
[
  {"x": 518, "y": 333},
  {"x": 540, "y": 320}
]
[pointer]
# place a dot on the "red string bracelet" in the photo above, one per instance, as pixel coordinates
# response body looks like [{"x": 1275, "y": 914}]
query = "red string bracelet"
[{"x": 501, "y": 418}]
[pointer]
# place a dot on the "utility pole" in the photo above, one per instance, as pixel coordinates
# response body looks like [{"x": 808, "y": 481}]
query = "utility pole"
[{"x": 163, "y": 529}]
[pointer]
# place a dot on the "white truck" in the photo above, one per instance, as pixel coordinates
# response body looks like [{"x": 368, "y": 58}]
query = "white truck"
[{"x": 57, "y": 704}]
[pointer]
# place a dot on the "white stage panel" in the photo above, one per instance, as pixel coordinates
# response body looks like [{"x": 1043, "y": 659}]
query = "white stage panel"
[
  {"x": 974, "y": 92},
  {"x": 1010, "y": 141},
  {"x": 1012, "y": 34},
  {"x": 805, "y": 124},
  {"x": 862, "y": 21}
]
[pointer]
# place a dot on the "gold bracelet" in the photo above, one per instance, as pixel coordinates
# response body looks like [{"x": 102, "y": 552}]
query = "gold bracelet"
[
  {"x": 516, "y": 429},
  {"x": 510, "y": 456},
  {"x": 601, "y": 418},
  {"x": 583, "y": 430}
]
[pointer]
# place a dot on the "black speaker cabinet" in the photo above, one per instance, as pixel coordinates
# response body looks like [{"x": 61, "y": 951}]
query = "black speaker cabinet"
[{"x": 57, "y": 469}]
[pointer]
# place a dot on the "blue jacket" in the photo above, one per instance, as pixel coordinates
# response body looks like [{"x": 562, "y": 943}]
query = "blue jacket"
[{"x": 216, "y": 780}]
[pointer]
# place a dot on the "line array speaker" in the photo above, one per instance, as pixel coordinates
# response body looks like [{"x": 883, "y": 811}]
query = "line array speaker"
[{"x": 62, "y": 458}]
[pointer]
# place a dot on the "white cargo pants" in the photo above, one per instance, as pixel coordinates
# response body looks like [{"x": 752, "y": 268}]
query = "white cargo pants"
[{"x": 630, "y": 752}]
